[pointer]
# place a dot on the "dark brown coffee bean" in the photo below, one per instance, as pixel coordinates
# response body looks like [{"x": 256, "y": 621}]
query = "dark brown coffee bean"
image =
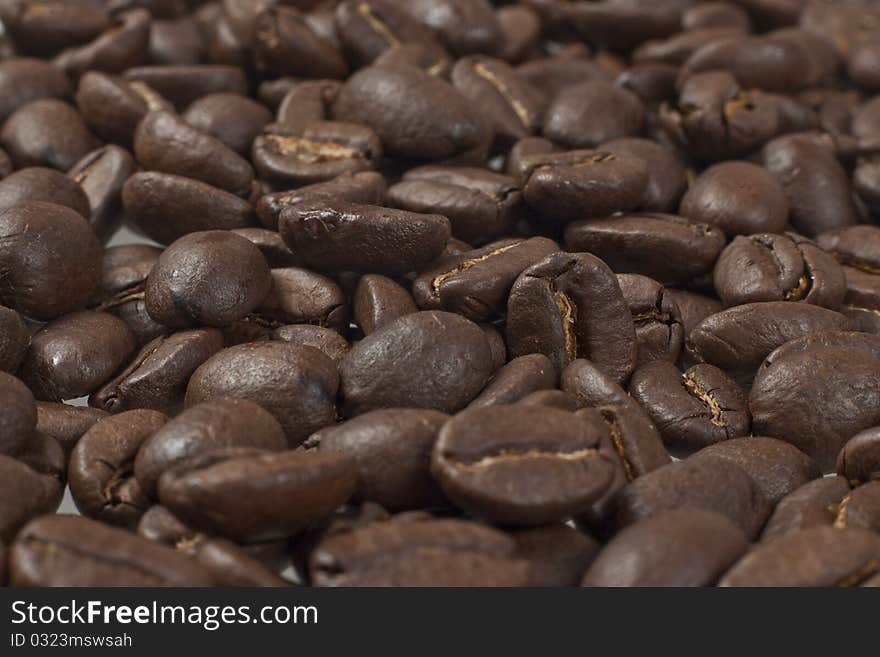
[
  {"x": 367, "y": 187},
  {"x": 284, "y": 44},
  {"x": 476, "y": 284},
  {"x": 427, "y": 359},
  {"x": 230, "y": 565},
  {"x": 657, "y": 321},
  {"x": 740, "y": 198},
  {"x": 158, "y": 375},
  {"x": 226, "y": 491},
  {"x": 414, "y": 114},
  {"x": 859, "y": 460},
  {"x": 679, "y": 48},
  {"x": 19, "y": 417},
  {"x": 14, "y": 340},
  {"x": 323, "y": 339},
  {"x": 427, "y": 553},
  {"x": 587, "y": 114},
  {"x": 693, "y": 307},
  {"x": 590, "y": 386},
  {"x": 315, "y": 152},
  {"x": 201, "y": 429},
  {"x": 767, "y": 267},
  {"x": 45, "y": 26},
  {"x": 211, "y": 277},
  {"x": 41, "y": 184},
  {"x": 72, "y": 551},
  {"x": 375, "y": 440},
  {"x": 47, "y": 133},
  {"x": 34, "y": 235},
  {"x": 585, "y": 183},
  {"x": 738, "y": 339},
  {"x": 102, "y": 467},
  {"x": 517, "y": 379},
  {"x": 184, "y": 84},
  {"x": 820, "y": 556},
  {"x": 177, "y": 41},
  {"x": 339, "y": 236},
  {"x": 23, "y": 80},
  {"x": 270, "y": 244},
  {"x": 641, "y": 244},
  {"x": 717, "y": 14},
  {"x": 296, "y": 384},
  {"x": 76, "y": 354},
  {"x": 552, "y": 398},
  {"x": 480, "y": 204},
  {"x": 570, "y": 306},
  {"x": 233, "y": 119},
  {"x": 429, "y": 57},
  {"x": 122, "y": 45},
  {"x": 66, "y": 424},
  {"x": 666, "y": 174},
  {"x": 685, "y": 547},
  {"x": 378, "y": 300},
  {"x": 691, "y": 410},
  {"x": 24, "y": 494},
  {"x": 558, "y": 555},
  {"x": 101, "y": 175},
  {"x": 860, "y": 508},
  {"x": 652, "y": 82},
  {"x": 520, "y": 32},
  {"x": 492, "y": 461},
  {"x": 708, "y": 484},
  {"x": 812, "y": 505},
  {"x": 306, "y": 102}
]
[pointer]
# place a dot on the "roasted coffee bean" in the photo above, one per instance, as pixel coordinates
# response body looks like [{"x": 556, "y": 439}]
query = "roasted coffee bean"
[
  {"x": 48, "y": 133},
  {"x": 587, "y": 114},
  {"x": 643, "y": 244},
  {"x": 860, "y": 508},
  {"x": 392, "y": 450},
  {"x": 666, "y": 174},
  {"x": 590, "y": 386},
  {"x": 367, "y": 187},
  {"x": 429, "y": 359},
  {"x": 426, "y": 553},
  {"x": 464, "y": 26},
  {"x": 284, "y": 44},
  {"x": 767, "y": 267},
  {"x": 24, "y": 494},
  {"x": 300, "y": 296},
  {"x": 859, "y": 460},
  {"x": 679, "y": 48},
  {"x": 738, "y": 339},
  {"x": 101, "y": 175},
  {"x": 520, "y": 32},
  {"x": 521, "y": 465},
  {"x": 122, "y": 45},
  {"x": 415, "y": 114},
  {"x": 177, "y": 41},
  {"x": 184, "y": 84},
  {"x": 708, "y": 484},
  {"x": 14, "y": 340},
  {"x": 23, "y": 80},
  {"x": 517, "y": 379},
  {"x": 700, "y": 407},
  {"x": 323, "y": 339},
  {"x": 513, "y": 107},
  {"x": 800, "y": 390},
  {"x": 42, "y": 184},
  {"x": 76, "y": 354},
  {"x": 101, "y": 469},
  {"x": 210, "y": 277},
  {"x": 158, "y": 375},
  {"x": 379, "y": 300},
  {"x": 554, "y": 74},
  {"x": 557, "y": 554},
  {"x": 167, "y": 207},
  {"x": 297, "y": 385},
  {"x": 270, "y": 244},
  {"x": 480, "y": 204},
  {"x": 552, "y": 398},
  {"x": 717, "y": 14},
  {"x": 818, "y": 189},
  {"x": 201, "y": 429},
  {"x": 19, "y": 417},
  {"x": 307, "y": 102},
  {"x": 71, "y": 551},
  {"x": 46, "y": 26},
  {"x": 584, "y": 183},
  {"x": 476, "y": 284},
  {"x": 820, "y": 556},
  {"x": 233, "y": 119},
  {"x": 340, "y": 236},
  {"x": 684, "y": 547},
  {"x": 224, "y": 491},
  {"x": 166, "y": 143},
  {"x": 862, "y": 65},
  {"x": 65, "y": 423},
  {"x": 570, "y": 306},
  {"x": 317, "y": 152},
  {"x": 693, "y": 307},
  {"x": 426, "y": 56},
  {"x": 814, "y": 504},
  {"x": 112, "y": 107},
  {"x": 652, "y": 82},
  {"x": 740, "y": 198},
  {"x": 657, "y": 321}
]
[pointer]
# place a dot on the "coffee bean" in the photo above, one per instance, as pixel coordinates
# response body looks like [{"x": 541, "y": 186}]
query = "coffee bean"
[
  {"x": 24, "y": 494},
  {"x": 379, "y": 300},
  {"x": 14, "y": 340},
  {"x": 429, "y": 57},
  {"x": 42, "y": 184},
  {"x": 685, "y": 547},
  {"x": 101, "y": 468},
  {"x": 431, "y": 359},
  {"x": 121, "y": 45},
  {"x": 177, "y": 41},
  {"x": 517, "y": 379},
  {"x": 484, "y": 457},
  {"x": 404, "y": 437},
  {"x": 45, "y": 26},
  {"x": 520, "y": 32},
  {"x": 230, "y": 565},
  {"x": 233, "y": 119},
  {"x": 590, "y": 386},
  {"x": 814, "y": 504},
  {"x": 666, "y": 174},
  {"x": 557, "y": 554},
  {"x": 24, "y": 80},
  {"x": 201, "y": 429},
  {"x": 307, "y": 102},
  {"x": 284, "y": 44},
  {"x": 47, "y": 133},
  {"x": 184, "y": 84},
  {"x": 102, "y": 174},
  {"x": 19, "y": 418},
  {"x": 296, "y": 384},
  {"x": 570, "y": 306},
  {"x": 587, "y": 114},
  {"x": 323, "y": 339},
  {"x": 657, "y": 321},
  {"x": 859, "y": 460},
  {"x": 65, "y": 423},
  {"x": 71, "y": 551}
]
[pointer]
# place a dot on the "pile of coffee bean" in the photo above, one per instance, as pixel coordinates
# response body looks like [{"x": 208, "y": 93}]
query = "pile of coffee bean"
[{"x": 440, "y": 292}]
